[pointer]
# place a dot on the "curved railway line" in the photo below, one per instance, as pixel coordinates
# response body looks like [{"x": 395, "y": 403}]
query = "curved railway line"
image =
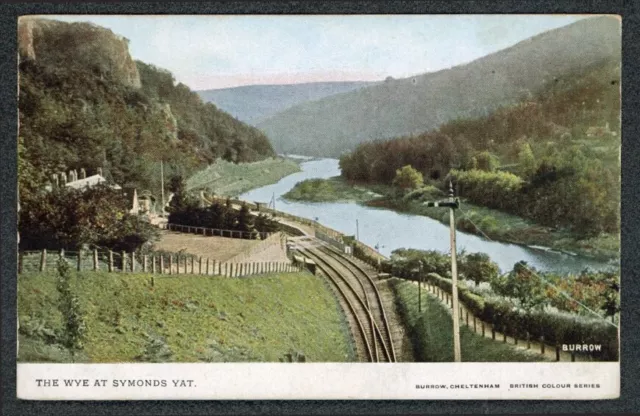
[{"x": 370, "y": 326}]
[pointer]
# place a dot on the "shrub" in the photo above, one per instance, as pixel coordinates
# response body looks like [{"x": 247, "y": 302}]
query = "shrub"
[{"x": 556, "y": 327}]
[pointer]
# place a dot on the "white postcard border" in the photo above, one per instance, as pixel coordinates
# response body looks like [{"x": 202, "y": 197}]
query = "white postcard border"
[{"x": 300, "y": 381}]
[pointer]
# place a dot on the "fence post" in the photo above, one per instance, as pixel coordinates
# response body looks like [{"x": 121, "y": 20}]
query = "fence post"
[
  {"x": 43, "y": 260},
  {"x": 95, "y": 260},
  {"x": 79, "y": 265},
  {"x": 482, "y": 328},
  {"x": 153, "y": 264},
  {"x": 170, "y": 264},
  {"x": 144, "y": 263},
  {"x": 110, "y": 267},
  {"x": 467, "y": 317},
  {"x": 200, "y": 265},
  {"x": 207, "y": 266},
  {"x": 542, "y": 344},
  {"x": 558, "y": 354},
  {"x": 133, "y": 262},
  {"x": 493, "y": 332},
  {"x": 161, "y": 264},
  {"x": 193, "y": 260},
  {"x": 124, "y": 262},
  {"x": 504, "y": 334},
  {"x": 230, "y": 269},
  {"x": 474, "y": 325}
]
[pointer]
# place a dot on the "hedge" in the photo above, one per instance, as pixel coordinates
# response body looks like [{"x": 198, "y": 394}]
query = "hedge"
[{"x": 556, "y": 328}]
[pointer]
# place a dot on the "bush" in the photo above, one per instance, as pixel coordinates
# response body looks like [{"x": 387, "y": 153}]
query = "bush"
[{"x": 556, "y": 327}]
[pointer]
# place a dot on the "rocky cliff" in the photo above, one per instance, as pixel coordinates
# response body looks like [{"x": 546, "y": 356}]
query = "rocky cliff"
[{"x": 56, "y": 43}]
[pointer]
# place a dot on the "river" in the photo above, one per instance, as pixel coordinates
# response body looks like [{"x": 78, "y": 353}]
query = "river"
[{"x": 390, "y": 230}]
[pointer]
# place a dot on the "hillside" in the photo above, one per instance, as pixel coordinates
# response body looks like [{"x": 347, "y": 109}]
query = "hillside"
[
  {"x": 86, "y": 103},
  {"x": 336, "y": 124},
  {"x": 553, "y": 159},
  {"x": 254, "y": 103}
]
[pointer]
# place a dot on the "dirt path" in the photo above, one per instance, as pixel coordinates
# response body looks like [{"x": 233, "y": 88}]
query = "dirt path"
[{"x": 214, "y": 248}]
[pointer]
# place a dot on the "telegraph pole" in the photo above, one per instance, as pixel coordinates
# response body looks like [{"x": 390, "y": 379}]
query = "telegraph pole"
[
  {"x": 162, "y": 188},
  {"x": 452, "y": 203}
]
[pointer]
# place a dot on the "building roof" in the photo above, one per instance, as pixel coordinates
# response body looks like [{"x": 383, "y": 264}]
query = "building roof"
[{"x": 88, "y": 182}]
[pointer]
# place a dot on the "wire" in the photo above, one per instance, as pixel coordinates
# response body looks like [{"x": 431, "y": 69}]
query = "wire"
[{"x": 542, "y": 277}]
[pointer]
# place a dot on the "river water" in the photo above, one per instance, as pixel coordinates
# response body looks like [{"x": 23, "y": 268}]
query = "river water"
[{"x": 390, "y": 230}]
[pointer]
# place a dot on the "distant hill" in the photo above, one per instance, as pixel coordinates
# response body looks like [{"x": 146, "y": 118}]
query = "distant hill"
[
  {"x": 253, "y": 103},
  {"x": 336, "y": 124}
]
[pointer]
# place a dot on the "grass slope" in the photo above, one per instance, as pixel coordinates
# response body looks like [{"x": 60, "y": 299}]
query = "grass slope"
[
  {"x": 231, "y": 179},
  {"x": 198, "y": 319},
  {"x": 432, "y": 335}
]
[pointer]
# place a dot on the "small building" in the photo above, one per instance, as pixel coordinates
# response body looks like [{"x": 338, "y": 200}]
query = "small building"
[{"x": 89, "y": 182}]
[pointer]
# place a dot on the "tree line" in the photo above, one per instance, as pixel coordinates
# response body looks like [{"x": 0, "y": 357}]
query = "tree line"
[
  {"x": 552, "y": 159},
  {"x": 185, "y": 209}
]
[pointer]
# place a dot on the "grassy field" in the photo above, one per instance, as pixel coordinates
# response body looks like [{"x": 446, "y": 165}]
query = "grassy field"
[
  {"x": 432, "y": 335},
  {"x": 186, "y": 318},
  {"x": 497, "y": 225},
  {"x": 328, "y": 190},
  {"x": 230, "y": 179}
]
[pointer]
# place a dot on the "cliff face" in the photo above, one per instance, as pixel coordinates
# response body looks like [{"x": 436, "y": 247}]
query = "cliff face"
[{"x": 57, "y": 43}]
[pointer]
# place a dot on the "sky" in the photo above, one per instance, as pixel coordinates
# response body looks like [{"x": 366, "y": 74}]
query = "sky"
[{"x": 220, "y": 51}]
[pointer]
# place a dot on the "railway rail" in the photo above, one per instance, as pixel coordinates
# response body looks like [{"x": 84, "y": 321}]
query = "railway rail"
[{"x": 358, "y": 290}]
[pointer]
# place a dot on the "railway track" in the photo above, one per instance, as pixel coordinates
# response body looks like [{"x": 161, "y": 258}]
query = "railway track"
[{"x": 358, "y": 290}]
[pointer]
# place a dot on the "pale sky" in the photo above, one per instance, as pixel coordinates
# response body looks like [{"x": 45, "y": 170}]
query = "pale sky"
[{"x": 208, "y": 51}]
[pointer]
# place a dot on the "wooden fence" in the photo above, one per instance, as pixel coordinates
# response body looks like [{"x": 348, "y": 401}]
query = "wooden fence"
[
  {"x": 217, "y": 232},
  {"x": 171, "y": 264}
]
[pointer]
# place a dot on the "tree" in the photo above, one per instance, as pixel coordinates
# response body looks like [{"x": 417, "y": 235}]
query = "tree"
[
  {"x": 478, "y": 267},
  {"x": 487, "y": 161},
  {"x": 408, "y": 178},
  {"x": 70, "y": 218},
  {"x": 527, "y": 160},
  {"x": 245, "y": 220},
  {"x": 522, "y": 284}
]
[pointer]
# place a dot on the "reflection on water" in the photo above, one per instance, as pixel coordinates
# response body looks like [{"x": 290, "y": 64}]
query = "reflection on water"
[{"x": 390, "y": 230}]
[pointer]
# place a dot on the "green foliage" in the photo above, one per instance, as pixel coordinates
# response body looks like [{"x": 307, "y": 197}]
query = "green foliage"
[
  {"x": 431, "y": 332},
  {"x": 79, "y": 112},
  {"x": 408, "y": 262},
  {"x": 527, "y": 161},
  {"x": 556, "y": 327},
  {"x": 478, "y": 267},
  {"x": 220, "y": 216},
  {"x": 408, "y": 178},
  {"x": 563, "y": 144},
  {"x": 487, "y": 161},
  {"x": 561, "y": 62},
  {"x": 69, "y": 218},
  {"x": 74, "y": 329},
  {"x": 195, "y": 318},
  {"x": 522, "y": 284}
]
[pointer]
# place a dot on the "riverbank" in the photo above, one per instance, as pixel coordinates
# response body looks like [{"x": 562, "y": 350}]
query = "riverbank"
[
  {"x": 229, "y": 179},
  {"x": 496, "y": 225}
]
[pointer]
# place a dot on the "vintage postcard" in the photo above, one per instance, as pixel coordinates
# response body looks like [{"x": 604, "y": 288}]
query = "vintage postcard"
[{"x": 319, "y": 207}]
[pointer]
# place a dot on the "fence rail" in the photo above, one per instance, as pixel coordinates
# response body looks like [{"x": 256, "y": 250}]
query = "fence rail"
[
  {"x": 217, "y": 232},
  {"x": 122, "y": 262}
]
